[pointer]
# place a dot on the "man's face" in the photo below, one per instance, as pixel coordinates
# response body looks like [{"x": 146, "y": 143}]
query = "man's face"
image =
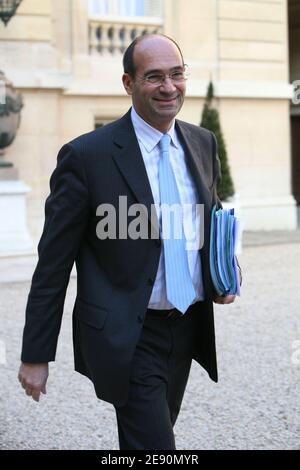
[{"x": 157, "y": 104}]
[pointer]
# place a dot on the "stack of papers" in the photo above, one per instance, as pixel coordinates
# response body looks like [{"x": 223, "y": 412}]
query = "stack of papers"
[{"x": 224, "y": 235}]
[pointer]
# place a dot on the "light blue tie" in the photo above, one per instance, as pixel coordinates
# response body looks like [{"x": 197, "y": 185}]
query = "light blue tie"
[{"x": 180, "y": 289}]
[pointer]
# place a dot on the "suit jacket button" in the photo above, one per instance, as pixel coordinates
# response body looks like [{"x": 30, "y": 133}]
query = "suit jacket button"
[
  {"x": 150, "y": 281},
  {"x": 140, "y": 319}
]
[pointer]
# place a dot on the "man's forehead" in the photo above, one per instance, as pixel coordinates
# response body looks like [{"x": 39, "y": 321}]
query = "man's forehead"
[
  {"x": 157, "y": 54},
  {"x": 148, "y": 44},
  {"x": 163, "y": 69}
]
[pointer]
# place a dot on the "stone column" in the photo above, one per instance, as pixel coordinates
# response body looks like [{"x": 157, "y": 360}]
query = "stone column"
[{"x": 14, "y": 236}]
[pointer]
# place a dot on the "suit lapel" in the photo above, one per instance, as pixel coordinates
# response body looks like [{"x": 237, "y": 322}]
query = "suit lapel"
[
  {"x": 195, "y": 161},
  {"x": 127, "y": 156},
  {"x": 194, "y": 156}
]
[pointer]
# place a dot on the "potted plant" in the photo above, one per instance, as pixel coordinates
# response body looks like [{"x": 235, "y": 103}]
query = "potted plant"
[{"x": 10, "y": 111}]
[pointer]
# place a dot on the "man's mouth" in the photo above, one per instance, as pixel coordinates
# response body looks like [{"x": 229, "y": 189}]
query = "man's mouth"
[{"x": 166, "y": 100}]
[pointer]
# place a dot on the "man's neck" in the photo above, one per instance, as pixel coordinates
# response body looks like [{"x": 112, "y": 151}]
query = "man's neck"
[{"x": 163, "y": 128}]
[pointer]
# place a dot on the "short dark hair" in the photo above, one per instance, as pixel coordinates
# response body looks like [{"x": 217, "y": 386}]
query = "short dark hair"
[{"x": 128, "y": 62}]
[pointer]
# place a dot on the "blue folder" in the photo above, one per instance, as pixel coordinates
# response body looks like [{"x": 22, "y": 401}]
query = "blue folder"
[{"x": 224, "y": 232}]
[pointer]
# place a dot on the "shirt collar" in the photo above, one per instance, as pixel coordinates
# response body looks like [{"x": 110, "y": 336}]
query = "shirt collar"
[{"x": 148, "y": 135}]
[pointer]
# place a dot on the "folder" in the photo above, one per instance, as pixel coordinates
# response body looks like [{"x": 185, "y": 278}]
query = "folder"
[{"x": 224, "y": 234}]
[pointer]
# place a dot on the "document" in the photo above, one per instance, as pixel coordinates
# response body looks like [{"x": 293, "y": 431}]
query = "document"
[{"x": 224, "y": 234}]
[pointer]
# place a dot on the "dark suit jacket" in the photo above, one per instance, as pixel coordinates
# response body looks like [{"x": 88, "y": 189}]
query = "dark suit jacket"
[{"x": 114, "y": 276}]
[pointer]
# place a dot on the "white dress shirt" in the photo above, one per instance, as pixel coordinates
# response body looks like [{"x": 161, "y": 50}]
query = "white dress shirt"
[{"x": 148, "y": 139}]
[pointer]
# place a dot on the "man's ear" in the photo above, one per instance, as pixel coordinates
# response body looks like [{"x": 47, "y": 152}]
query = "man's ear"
[{"x": 127, "y": 82}]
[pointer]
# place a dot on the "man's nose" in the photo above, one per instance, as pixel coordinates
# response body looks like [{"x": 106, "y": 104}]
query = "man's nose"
[{"x": 168, "y": 84}]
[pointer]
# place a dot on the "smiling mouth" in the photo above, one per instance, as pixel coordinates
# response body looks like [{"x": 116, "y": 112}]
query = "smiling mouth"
[{"x": 165, "y": 100}]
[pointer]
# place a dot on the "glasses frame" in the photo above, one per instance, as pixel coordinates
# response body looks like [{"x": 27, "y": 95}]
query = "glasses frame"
[{"x": 164, "y": 76}]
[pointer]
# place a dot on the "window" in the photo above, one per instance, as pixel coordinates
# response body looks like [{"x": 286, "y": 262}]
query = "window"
[{"x": 152, "y": 8}]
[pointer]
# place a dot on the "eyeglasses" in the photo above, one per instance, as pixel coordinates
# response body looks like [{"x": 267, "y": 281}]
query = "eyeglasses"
[{"x": 177, "y": 76}]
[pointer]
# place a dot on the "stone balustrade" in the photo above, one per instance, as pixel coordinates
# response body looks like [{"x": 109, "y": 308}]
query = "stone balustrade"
[{"x": 112, "y": 37}]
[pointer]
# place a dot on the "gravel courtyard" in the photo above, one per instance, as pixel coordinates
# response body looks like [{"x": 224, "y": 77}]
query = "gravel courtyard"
[{"x": 255, "y": 405}]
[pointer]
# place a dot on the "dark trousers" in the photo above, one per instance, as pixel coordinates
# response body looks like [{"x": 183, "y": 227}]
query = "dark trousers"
[{"x": 159, "y": 373}]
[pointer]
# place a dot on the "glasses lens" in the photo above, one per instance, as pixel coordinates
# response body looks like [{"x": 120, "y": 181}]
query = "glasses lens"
[
  {"x": 176, "y": 76},
  {"x": 154, "y": 78}
]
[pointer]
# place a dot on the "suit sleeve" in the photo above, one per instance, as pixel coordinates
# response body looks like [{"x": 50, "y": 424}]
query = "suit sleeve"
[
  {"x": 216, "y": 170},
  {"x": 66, "y": 215}
]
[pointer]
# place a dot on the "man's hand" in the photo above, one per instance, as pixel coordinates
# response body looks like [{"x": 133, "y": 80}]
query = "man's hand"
[
  {"x": 226, "y": 299},
  {"x": 33, "y": 378}
]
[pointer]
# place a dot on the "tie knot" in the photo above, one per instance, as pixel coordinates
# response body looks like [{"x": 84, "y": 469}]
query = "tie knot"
[{"x": 164, "y": 143}]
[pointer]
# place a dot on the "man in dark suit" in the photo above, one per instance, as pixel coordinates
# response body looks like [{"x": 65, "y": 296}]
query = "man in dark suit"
[{"x": 144, "y": 306}]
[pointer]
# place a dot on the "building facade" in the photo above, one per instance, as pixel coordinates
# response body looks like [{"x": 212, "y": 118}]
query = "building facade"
[{"x": 65, "y": 56}]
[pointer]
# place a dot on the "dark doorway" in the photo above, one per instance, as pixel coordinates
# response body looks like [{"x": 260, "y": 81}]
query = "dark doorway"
[
  {"x": 295, "y": 130},
  {"x": 294, "y": 61}
]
